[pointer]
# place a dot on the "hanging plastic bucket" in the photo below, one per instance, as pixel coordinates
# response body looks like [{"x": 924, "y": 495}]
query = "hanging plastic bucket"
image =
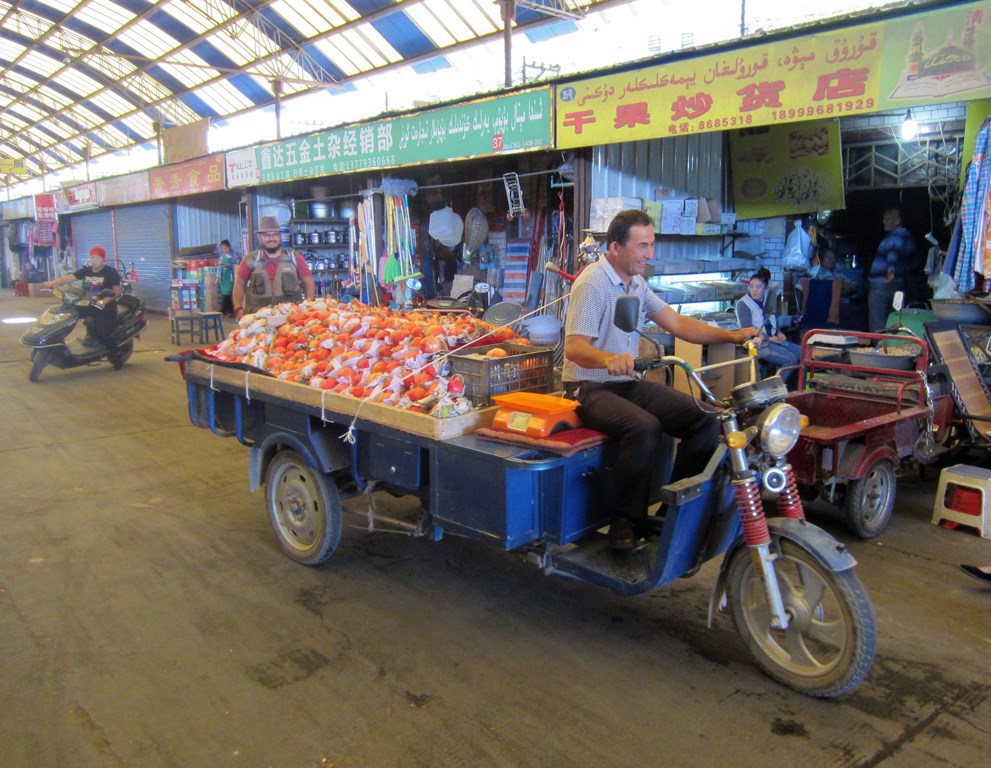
[{"x": 543, "y": 330}]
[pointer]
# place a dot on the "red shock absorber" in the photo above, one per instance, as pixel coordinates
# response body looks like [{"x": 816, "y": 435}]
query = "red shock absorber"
[
  {"x": 789, "y": 500},
  {"x": 751, "y": 511}
]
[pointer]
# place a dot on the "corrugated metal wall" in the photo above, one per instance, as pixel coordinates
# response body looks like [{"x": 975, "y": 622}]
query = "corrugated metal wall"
[
  {"x": 692, "y": 166},
  {"x": 144, "y": 236},
  {"x": 207, "y": 219}
]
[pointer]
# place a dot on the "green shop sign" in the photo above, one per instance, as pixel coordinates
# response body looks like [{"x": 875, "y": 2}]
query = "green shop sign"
[{"x": 500, "y": 125}]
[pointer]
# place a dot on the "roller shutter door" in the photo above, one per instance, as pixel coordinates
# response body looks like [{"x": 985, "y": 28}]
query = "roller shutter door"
[
  {"x": 144, "y": 236},
  {"x": 90, "y": 229}
]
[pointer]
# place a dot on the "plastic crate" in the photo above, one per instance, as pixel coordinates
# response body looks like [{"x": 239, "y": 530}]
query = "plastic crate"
[{"x": 524, "y": 369}]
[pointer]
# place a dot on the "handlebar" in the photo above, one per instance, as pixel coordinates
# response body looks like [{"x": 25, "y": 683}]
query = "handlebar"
[{"x": 644, "y": 364}]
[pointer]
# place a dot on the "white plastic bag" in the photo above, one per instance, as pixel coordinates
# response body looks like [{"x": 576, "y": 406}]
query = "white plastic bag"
[
  {"x": 944, "y": 286},
  {"x": 798, "y": 246},
  {"x": 446, "y": 227}
]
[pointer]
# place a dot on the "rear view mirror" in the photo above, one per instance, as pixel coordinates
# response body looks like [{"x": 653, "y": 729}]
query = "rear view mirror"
[
  {"x": 626, "y": 316},
  {"x": 898, "y": 301}
]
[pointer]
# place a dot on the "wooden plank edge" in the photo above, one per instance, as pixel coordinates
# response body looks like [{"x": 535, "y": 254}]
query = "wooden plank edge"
[{"x": 331, "y": 404}]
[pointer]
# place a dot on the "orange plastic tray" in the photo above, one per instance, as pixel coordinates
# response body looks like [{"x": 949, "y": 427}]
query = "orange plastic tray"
[{"x": 533, "y": 402}]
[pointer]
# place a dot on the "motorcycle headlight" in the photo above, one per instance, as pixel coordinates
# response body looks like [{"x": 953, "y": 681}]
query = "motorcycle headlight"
[{"x": 779, "y": 429}]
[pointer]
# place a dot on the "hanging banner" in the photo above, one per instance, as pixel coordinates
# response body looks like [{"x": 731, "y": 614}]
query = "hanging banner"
[
  {"x": 44, "y": 206},
  {"x": 18, "y": 165},
  {"x": 853, "y": 70},
  {"x": 500, "y": 125},
  {"x": 779, "y": 170},
  {"x": 947, "y": 57},
  {"x": 81, "y": 196},
  {"x": 122, "y": 190},
  {"x": 205, "y": 174}
]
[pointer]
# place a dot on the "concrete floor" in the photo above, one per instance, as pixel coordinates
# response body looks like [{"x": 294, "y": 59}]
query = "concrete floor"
[{"x": 147, "y": 618}]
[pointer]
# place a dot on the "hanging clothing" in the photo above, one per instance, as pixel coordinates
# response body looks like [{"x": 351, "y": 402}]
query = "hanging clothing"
[{"x": 975, "y": 215}]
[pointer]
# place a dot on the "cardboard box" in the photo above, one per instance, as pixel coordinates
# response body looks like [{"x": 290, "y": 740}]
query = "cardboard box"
[
  {"x": 655, "y": 210},
  {"x": 34, "y": 290},
  {"x": 674, "y": 221},
  {"x": 709, "y": 212},
  {"x": 692, "y": 205},
  {"x": 603, "y": 209},
  {"x": 728, "y": 220},
  {"x": 708, "y": 229}
]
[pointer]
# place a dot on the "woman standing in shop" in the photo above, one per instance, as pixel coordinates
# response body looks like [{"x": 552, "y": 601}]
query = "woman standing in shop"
[{"x": 226, "y": 278}]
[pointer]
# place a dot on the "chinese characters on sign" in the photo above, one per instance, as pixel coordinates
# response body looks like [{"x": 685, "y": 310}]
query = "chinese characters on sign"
[
  {"x": 514, "y": 123},
  {"x": 205, "y": 174},
  {"x": 815, "y": 76}
]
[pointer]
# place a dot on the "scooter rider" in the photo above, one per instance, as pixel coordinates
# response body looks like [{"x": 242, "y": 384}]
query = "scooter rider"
[
  {"x": 598, "y": 371},
  {"x": 98, "y": 277},
  {"x": 271, "y": 275}
]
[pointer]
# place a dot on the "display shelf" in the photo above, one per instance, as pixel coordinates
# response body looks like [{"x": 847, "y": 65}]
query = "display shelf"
[{"x": 688, "y": 291}]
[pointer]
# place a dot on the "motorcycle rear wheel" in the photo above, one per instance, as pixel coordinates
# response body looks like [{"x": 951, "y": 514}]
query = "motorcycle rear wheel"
[
  {"x": 42, "y": 358},
  {"x": 828, "y": 647},
  {"x": 304, "y": 509},
  {"x": 121, "y": 355}
]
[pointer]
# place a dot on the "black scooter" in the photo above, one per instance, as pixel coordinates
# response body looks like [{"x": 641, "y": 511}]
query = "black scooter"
[{"x": 48, "y": 340}]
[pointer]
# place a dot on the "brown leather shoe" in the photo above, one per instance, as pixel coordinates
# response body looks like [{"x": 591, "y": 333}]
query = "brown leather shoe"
[{"x": 621, "y": 534}]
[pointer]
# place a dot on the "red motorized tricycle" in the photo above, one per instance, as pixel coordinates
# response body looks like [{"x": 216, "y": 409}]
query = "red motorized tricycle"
[{"x": 871, "y": 411}]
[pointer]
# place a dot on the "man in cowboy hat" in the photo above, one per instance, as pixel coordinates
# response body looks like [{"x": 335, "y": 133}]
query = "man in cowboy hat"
[{"x": 271, "y": 275}]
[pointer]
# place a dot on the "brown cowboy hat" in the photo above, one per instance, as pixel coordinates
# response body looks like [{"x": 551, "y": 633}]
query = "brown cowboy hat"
[{"x": 268, "y": 224}]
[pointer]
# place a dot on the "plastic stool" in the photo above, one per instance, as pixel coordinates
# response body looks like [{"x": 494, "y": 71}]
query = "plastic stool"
[
  {"x": 211, "y": 323},
  {"x": 185, "y": 322},
  {"x": 963, "y": 497}
]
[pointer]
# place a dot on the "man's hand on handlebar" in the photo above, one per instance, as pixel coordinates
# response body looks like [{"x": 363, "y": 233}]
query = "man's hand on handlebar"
[
  {"x": 620, "y": 365},
  {"x": 744, "y": 334}
]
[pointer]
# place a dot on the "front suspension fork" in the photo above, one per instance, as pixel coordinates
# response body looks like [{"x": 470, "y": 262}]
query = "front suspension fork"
[{"x": 756, "y": 534}]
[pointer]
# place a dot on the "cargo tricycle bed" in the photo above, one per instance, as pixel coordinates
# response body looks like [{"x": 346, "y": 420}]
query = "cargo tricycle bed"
[{"x": 869, "y": 414}]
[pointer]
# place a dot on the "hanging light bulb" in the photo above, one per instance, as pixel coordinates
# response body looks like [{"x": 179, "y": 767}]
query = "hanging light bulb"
[{"x": 910, "y": 128}]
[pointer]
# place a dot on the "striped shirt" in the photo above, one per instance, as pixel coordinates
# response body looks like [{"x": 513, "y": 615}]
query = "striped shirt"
[{"x": 590, "y": 313}]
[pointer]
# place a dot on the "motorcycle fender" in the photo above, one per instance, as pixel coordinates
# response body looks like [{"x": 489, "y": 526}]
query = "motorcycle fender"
[
  {"x": 857, "y": 459},
  {"x": 830, "y": 553},
  {"x": 319, "y": 451}
]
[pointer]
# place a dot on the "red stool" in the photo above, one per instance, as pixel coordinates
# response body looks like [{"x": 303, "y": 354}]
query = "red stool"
[{"x": 21, "y": 288}]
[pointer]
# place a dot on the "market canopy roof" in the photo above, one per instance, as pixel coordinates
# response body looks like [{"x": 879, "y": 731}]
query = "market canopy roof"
[{"x": 81, "y": 78}]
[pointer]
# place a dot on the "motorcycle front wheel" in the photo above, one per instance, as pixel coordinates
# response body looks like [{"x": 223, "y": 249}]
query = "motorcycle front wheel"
[
  {"x": 41, "y": 358},
  {"x": 828, "y": 647},
  {"x": 121, "y": 355}
]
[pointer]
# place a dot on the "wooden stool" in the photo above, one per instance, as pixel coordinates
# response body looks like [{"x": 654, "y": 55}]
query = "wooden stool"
[
  {"x": 964, "y": 497},
  {"x": 183, "y": 321},
  {"x": 211, "y": 323}
]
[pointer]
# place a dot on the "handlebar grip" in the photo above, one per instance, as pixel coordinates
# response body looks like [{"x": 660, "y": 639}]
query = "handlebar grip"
[{"x": 644, "y": 364}]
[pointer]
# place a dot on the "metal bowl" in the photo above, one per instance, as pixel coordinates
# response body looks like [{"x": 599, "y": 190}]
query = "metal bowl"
[
  {"x": 870, "y": 357},
  {"x": 961, "y": 311}
]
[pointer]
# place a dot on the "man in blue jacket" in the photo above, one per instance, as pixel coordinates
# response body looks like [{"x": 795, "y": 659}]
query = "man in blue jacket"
[{"x": 887, "y": 274}]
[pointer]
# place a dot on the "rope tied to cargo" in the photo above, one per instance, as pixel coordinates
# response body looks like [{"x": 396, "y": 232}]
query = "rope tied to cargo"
[{"x": 370, "y": 493}]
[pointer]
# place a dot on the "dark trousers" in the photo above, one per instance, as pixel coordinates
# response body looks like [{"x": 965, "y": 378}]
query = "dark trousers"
[{"x": 636, "y": 414}]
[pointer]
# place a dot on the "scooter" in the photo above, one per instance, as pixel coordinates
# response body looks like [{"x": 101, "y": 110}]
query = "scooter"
[{"x": 48, "y": 338}]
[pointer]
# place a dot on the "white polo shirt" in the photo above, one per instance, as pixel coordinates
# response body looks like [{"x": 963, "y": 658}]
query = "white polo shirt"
[{"x": 591, "y": 306}]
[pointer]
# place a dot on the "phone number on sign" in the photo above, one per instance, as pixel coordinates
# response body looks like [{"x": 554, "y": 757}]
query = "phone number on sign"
[
  {"x": 724, "y": 122},
  {"x": 823, "y": 110}
]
